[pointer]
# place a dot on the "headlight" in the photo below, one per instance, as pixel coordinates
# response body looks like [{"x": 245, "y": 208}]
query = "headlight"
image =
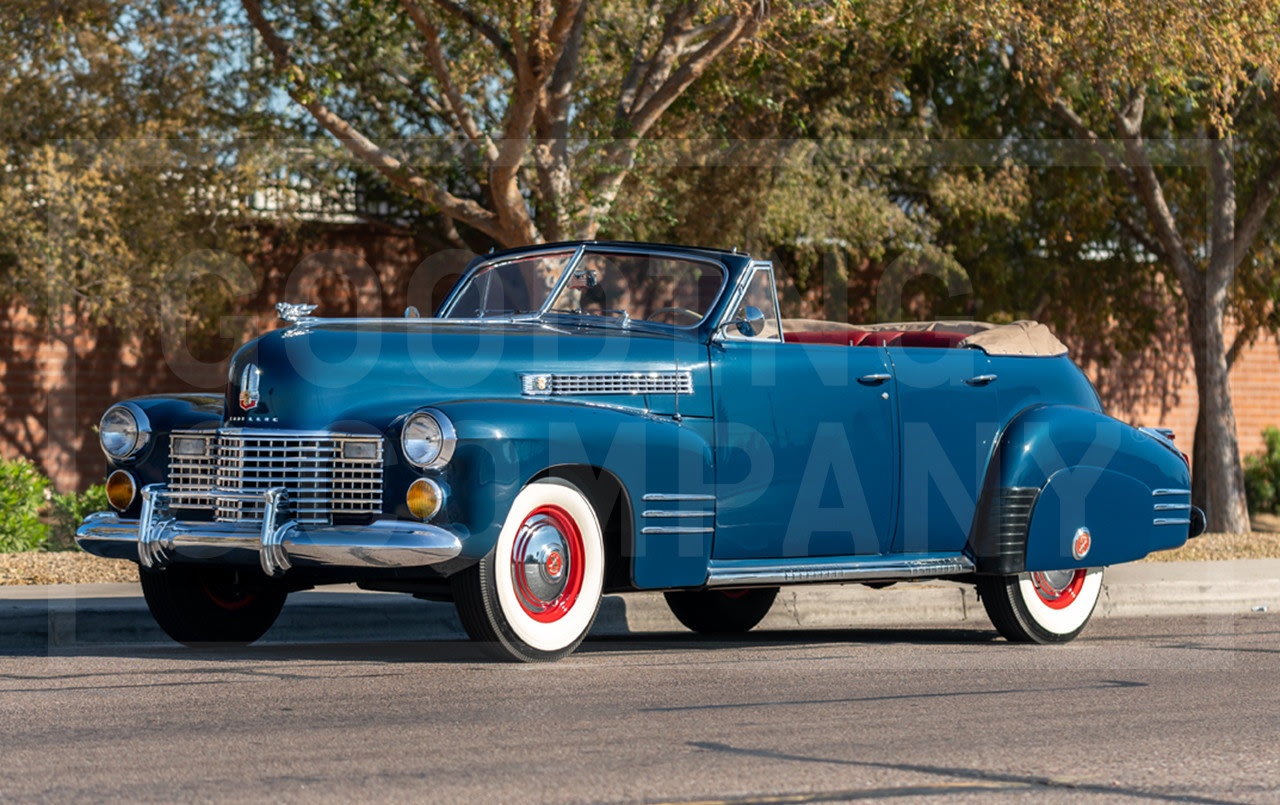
[
  {"x": 428, "y": 439},
  {"x": 124, "y": 430}
]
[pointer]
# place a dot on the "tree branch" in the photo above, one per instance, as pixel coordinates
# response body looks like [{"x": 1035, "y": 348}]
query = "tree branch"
[
  {"x": 484, "y": 27},
  {"x": 737, "y": 29},
  {"x": 627, "y": 93},
  {"x": 1265, "y": 191},
  {"x": 658, "y": 68},
  {"x": 1142, "y": 236},
  {"x": 1083, "y": 132},
  {"x": 1151, "y": 194},
  {"x": 389, "y": 166},
  {"x": 440, "y": 69}
]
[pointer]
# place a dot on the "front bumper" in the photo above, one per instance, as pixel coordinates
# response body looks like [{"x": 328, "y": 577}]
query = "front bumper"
[{"x": 276, "y": 544}]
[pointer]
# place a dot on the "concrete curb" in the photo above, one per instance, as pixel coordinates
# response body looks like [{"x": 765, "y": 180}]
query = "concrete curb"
[{"x": 66, "y": 617}]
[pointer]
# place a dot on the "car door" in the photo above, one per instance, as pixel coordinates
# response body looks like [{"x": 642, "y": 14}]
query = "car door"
[
  {"x": 804, "y": 448},
  {"x": 948, "y": 408}
]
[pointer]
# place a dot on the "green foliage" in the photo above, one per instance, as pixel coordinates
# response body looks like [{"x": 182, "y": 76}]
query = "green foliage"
[
  {"x": 67, "y": 512},
  {"x": 1262, "y": 475},
  {"x": 23, "y": 492},
  {"x": 118, "y": 159}
]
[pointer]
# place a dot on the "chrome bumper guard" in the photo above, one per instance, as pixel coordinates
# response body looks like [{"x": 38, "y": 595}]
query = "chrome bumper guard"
[{"x": 277, "y": 544}]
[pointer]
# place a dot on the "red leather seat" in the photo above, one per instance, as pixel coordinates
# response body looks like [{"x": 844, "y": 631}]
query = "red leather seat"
[
  {"x": 850, "y": 338},
  {"x": 930, "y": 338},
  {"x": 882, "y": 338}
]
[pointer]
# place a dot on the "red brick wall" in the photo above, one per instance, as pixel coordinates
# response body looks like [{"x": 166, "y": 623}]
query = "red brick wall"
[{"x": 1255, "y": 392}]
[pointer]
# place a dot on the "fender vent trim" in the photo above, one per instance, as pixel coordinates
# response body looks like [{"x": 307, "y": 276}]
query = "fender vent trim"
[{"x": 999, "y": 538}]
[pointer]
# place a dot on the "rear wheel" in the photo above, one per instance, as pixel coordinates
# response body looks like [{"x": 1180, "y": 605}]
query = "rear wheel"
[
  {"x": 535, "y": 595},
  {"x": 200, "y": 606},
  {"x": 1042, "y": 607},
  {"x": 721, "y": 611}
]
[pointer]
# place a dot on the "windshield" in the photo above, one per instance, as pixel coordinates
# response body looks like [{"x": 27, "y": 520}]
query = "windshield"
[
  {"x": 625, "y": 286},
  {"x": 510, "y": 288}
]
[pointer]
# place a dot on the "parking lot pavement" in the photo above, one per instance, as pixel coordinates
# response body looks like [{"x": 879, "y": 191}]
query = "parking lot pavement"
[{"x": 64, "y": 616}]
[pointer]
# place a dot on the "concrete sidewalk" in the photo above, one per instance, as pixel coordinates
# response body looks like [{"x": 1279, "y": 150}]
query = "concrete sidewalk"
[{"x": 65, "y": 617}]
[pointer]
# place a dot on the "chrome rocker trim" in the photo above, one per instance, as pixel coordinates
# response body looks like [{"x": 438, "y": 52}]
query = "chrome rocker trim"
[
  {"x": 276, "y": 545},
  {"x": 754, "y": 573}
]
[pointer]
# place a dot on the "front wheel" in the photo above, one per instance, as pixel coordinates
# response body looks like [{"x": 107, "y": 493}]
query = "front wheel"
[
  {"x": 1041, "y": 607},
  {"x": 535, "y": 595},
  {"x": 197, "y": 606}
]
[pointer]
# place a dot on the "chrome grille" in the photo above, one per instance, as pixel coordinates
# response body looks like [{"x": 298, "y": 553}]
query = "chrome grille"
[
  {"x": 325, "y": 474},
  {"x": 607, "y": 383}
]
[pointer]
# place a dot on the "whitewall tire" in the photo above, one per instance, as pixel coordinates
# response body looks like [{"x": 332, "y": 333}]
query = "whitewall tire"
[
  {"x": 534, "y": 597},
  {"x": 1042, "y": 607}
]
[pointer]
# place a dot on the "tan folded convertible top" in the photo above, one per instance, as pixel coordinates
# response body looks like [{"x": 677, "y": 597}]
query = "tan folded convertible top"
[{"x": 1017, "y": 338}]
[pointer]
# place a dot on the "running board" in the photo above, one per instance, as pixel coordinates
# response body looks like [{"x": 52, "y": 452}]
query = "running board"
[{"x": 755, "y": 573}]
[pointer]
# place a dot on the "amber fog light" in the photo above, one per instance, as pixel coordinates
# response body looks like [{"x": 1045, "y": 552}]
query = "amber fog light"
[
  {"x": 425, "y": 497},
  {"x": 121, "y": 490}
]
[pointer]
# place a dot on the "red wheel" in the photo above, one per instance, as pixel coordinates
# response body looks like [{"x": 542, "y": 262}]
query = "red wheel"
[
  {"x": 1058, "y": 589},
  {"x": 535, "y": 595},
  {"x": 546, "y": 563},
  {"x": 1041, "y": 607}
]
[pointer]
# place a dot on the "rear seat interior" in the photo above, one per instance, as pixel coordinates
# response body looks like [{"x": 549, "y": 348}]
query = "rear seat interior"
[{"x": 878, "y": 338}]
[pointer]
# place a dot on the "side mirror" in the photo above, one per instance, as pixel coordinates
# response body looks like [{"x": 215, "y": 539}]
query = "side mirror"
[
  {"x": 411, "y": 312},
  {"x": 752, "y": 322}
]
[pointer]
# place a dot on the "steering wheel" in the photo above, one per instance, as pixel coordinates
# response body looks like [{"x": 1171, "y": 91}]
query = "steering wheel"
[{"x": 683, "y": 311}]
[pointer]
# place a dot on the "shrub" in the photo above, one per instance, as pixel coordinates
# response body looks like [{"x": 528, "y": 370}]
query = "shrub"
[
  {"x": 67, "y": 512},
  {"x": 23, "y": 493},
  {"x": 1262, "y": 475}
]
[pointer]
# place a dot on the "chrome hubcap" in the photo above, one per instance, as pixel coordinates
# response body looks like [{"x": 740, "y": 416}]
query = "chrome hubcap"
[{"x": 540, "y": 566}]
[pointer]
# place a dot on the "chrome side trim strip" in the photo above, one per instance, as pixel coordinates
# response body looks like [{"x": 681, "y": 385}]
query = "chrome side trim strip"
[
  {"x": 577, "y": 384},
  {"x": 738, "y": 574},
  {"x": 1171, "y": 521},
  {"x": 1169, "y": 507},
  {"x": 665, "y": 497},
  {"x": 662, "y": 513},
  {"x": 1155, "y": 493},
  {"x": 675, "y": 529}
]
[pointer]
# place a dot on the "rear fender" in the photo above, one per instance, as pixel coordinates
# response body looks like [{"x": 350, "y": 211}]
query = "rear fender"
[{"x": 1071, "y": 487}]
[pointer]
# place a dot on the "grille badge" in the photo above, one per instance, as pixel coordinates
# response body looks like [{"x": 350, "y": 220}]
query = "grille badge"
[{"x": 249, "y": 380}]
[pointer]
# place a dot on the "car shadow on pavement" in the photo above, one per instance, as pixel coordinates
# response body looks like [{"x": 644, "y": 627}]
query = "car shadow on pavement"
[{"x": 467, "y": 652}]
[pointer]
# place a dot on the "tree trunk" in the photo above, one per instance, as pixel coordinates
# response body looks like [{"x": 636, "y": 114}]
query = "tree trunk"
[
  {"x": 1220, "y": 455},
  {"x": 1199, "y": 479}
]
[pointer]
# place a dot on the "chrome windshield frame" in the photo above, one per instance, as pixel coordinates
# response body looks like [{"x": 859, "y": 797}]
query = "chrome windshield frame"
[
  {"x": 574, "y": 259},
  {"x": 578, "y": 254}
]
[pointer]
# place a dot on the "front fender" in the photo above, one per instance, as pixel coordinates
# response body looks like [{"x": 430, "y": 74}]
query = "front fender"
[
  {"x": 166, "y": 413},
  {"x": 1058, "y": 469},
  {"x": 502, "y": 445}
]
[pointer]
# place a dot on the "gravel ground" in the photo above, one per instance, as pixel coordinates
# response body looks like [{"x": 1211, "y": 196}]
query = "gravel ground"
[
  {"x": 63, "y": 567},
  {"x": 73, "y": 567}
]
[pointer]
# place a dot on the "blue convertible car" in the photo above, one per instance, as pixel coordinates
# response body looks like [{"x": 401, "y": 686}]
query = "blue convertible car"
[{"x": 584, "y": 418}]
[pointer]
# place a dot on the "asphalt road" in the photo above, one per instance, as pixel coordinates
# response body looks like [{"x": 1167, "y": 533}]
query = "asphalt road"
[{"x": 1141, "y": 710}]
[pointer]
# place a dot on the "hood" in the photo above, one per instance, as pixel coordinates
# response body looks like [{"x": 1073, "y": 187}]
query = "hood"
[{"x": 359, "y": 376}]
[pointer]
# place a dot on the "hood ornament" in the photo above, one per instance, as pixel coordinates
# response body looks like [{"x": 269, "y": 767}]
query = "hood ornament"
[
  {"x": 249, "y": 381},
  {"x": 292, "y": 312}
]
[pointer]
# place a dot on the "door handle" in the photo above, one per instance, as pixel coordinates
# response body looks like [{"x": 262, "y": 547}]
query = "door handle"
[
  {"x": 874, "y": 380},
  {"x": 980, "y": 380}
]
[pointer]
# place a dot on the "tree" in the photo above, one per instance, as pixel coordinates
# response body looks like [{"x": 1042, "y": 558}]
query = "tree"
[
  {"x": 549, "y": 101},
  {"x": 1133, "y": 81},
  {"x": 114, "y": 162}
]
